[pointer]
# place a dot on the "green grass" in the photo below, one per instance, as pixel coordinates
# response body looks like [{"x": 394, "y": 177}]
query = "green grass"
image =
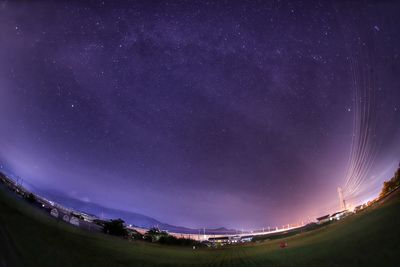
[{"x": 30, "y": 238}]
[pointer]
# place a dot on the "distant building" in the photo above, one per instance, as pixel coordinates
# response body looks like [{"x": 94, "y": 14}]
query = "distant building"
[
  {"x": 66, "y": 218},
  {"x": 74, "y": 221},
  {"x": 88, "y": 217},
  {"x": 339, "y": 215},
  {"x": 360, "y": 208},
  {"x": 54, "y": 213},
  {"x": 219, "y": 240},
  {"x": 246, "y": 238},
  {"x": 230, "y": 239},
  {"x": 323, "y": 219}
]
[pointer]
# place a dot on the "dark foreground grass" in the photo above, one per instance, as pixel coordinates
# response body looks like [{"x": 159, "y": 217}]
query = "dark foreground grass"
[{"x": 30, "y": 238}]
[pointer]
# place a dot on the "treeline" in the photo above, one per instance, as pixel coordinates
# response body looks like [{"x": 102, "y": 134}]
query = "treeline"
[
  {"x": 162, "y": 237},
  {"x": 117, "y": 227},
  {"x": 392, "y": 184}
]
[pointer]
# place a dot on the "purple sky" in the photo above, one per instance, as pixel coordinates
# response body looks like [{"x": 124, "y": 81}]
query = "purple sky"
[{"x": 197, "y": 114}]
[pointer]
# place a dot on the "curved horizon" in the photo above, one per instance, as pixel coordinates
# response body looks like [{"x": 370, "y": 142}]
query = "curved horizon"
[{"x": 201, "y": 115}]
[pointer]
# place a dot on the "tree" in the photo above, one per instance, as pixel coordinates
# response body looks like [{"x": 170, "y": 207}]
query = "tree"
[
  {"x": 154, "y": 234},
  {"x": 115, "y": 227},
  {"x": 392, "y": 184},
  {"x": 133, "y": 234},
  {"x": 162, "y": 237},
  {"x": 31, "y": 198},
  {"x": 172, "y": 240}
]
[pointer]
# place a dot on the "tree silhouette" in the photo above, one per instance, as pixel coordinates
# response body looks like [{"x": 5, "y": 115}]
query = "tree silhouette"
[
  {"x": 392, "y": 184},
  {"x": 115, "y": 227}
]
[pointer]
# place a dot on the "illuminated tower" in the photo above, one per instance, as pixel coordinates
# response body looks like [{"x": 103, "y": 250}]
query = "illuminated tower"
[{"x": 342, "y": 202}]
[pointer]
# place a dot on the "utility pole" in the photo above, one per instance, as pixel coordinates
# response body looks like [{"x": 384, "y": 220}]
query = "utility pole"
[{"x": 342, "y": 202}]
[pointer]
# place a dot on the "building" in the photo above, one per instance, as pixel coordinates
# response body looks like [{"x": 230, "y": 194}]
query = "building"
[
  {"x": 219, "y": 240},
  {"x": 339, "y": 215},
  {"x": 248, "y": 238},
  {"x": 88, "y": 217},
  {"x": 359, "y": 208},
  {"x": 323, "y": 219}
]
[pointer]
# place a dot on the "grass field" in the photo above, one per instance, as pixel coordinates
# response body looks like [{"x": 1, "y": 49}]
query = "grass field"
[{"x": 30, "y": 238}]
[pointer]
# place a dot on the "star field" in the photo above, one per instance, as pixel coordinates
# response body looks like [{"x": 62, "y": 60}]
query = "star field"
[{"x": 196, "y": 113}]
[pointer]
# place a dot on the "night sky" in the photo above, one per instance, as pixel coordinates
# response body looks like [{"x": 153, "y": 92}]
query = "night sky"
[{"x": 202, "y": 114}]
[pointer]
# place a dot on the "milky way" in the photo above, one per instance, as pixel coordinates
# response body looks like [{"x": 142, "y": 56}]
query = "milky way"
[{"x": 200, "y": 114}]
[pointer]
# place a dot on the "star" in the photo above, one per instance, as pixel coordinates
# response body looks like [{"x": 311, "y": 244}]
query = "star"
[{"x": 182, "y": 101}]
